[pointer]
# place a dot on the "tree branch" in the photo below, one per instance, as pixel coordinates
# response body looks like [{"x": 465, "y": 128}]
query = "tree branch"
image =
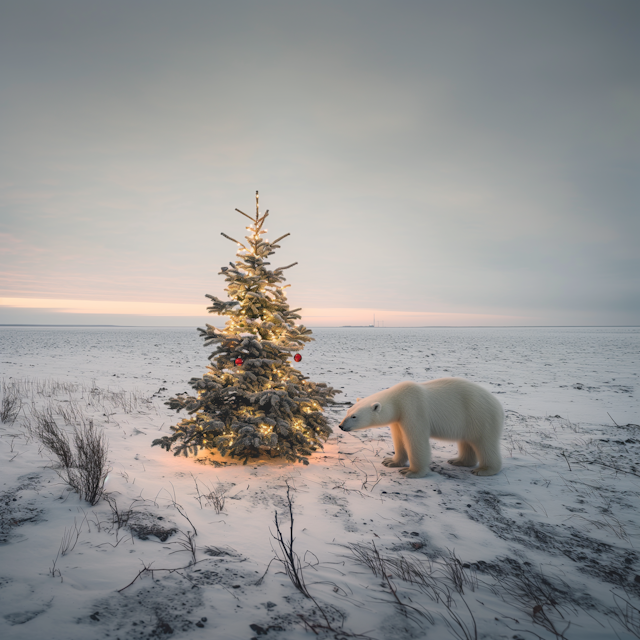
[
  {"x": 246, "y": 216},
  {"x": 287, "y": 267},
  {"x": 233, "y": 240},
  {"x": 280, "y": 238},
  {"x": 262, "y": 219}
]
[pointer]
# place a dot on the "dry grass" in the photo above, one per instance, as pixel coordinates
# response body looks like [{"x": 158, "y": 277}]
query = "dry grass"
[
  {"x": 52, "y": 437},
  {"x": 119, "y": 517},
  {"x": 68, "y": 543},
  {"x": 330, "y": 618},
  {"x": 91, "y": 464},
  {"x": 215, "y": 496},
  {"x": 11, "y": 403},
  {"x": 534, "y": 594},
  {"x": 288, "y": 557},
  {"x": 187, "y": 543},
  {"x": 421, "y": 574},
  {"x": 84, "y": 467},
  {"x": 627, "y": 615}
]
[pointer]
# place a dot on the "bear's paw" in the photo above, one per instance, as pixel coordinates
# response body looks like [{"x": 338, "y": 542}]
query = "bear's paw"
[
  {"x": 485, "y": 471},
  {"x": 408, "y": 473},
  {"x": 390, "y": 462},
  {"x": 461, "y": 462}
]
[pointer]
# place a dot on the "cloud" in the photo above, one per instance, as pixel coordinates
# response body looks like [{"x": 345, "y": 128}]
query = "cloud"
[
  {"x": 458, "y": 157},
  {"x": 104, "y": 307},
  {"x": 11, "y": 245},
  {"x": 332, "y": 317}
]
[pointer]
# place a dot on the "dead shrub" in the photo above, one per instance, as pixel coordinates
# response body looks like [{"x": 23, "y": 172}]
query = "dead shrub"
[
  {"x": 10, "y": 405},
  {"x": 85, "y": 466}
]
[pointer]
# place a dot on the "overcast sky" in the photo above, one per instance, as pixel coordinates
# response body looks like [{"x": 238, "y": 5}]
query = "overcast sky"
[{"x": 436, "y": 162}]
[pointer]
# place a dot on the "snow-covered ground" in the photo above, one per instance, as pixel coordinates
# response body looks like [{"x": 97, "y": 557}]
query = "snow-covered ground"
[{"x": 545, "y": 549}]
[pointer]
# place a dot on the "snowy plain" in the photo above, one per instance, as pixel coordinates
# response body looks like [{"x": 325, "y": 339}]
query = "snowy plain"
[{"x": 548, "y": 548}]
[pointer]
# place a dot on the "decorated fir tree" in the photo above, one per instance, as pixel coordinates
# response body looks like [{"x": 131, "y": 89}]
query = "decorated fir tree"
[{"x": 252, "y": 402}]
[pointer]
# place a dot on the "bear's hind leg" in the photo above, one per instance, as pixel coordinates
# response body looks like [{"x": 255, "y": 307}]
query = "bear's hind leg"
[
  {"x": 490, "y": 459},
  {"x": 400, "y": 458},
  {"x": 466, "y": 456}
]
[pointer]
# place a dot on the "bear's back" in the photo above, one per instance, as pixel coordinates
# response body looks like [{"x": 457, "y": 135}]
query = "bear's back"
[{"x": 457, "y": 406}]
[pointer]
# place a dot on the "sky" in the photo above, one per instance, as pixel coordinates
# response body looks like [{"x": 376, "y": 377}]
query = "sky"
[{"x": 436, "y": 162}]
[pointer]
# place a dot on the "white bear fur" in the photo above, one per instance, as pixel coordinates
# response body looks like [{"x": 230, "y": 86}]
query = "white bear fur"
[{"x": 448, "y": 409}]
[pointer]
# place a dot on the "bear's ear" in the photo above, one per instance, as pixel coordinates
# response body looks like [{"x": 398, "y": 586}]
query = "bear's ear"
[{"x": 376, "y": 406}]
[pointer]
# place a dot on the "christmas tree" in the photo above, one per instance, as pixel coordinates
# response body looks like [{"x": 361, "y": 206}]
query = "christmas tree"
[{"x": 251, "y": 402}]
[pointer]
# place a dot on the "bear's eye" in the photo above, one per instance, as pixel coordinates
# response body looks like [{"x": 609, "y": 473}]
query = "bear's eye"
[{"x": 353, "y": 417}]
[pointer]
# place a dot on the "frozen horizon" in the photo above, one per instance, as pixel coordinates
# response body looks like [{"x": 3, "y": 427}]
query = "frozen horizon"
[{"x": 347, "y": 326}]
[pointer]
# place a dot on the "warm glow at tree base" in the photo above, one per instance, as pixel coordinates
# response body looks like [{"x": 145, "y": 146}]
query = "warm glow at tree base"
[{"x": 252, "y": 402}]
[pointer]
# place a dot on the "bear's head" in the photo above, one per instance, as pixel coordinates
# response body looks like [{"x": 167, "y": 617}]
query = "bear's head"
[{"x": 370, "y": 412}]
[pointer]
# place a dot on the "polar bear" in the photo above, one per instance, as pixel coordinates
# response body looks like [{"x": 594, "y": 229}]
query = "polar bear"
[{"x": 448, "y": 409}]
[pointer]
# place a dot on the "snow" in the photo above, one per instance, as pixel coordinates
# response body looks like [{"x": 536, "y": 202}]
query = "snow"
[{"x": 549, "y": 542}]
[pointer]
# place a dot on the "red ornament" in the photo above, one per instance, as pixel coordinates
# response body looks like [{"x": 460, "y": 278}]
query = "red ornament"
[
  {"x": 239, "y": 361},
  {"x": 297, "y": 357}
]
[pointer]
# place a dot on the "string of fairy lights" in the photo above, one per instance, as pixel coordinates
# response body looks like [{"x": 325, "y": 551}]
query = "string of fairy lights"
[
  {"x": 259, "y": 247},
  {"x": 252, "y": 400}
]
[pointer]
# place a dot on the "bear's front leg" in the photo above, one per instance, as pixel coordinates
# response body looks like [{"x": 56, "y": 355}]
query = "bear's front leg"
[
  {"x": 400, "y": 458},
  {"x": 419, "y": 454}
]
